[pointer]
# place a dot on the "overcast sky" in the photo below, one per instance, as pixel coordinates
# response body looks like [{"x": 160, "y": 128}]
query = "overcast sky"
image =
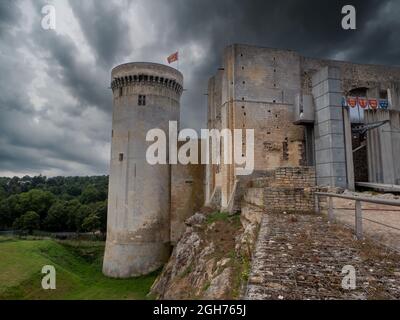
[{"x": 55, "y": 105}]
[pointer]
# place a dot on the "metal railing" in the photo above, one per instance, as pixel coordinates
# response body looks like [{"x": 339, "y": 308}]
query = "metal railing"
[{"x": 358, "y": 223}]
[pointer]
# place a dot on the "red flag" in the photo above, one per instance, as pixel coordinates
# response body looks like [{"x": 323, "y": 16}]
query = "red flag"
[{"x": 173, "y": 57}]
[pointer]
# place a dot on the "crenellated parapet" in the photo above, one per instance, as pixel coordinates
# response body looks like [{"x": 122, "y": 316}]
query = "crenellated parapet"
[
  {"x": 147, "y": 75},
  {"x": 146, "y": 79}
]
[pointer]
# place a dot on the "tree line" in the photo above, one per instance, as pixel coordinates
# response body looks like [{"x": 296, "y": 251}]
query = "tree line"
[{"x": 58, "y": 204}]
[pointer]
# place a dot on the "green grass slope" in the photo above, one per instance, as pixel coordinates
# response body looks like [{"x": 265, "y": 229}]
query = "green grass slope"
[{"x": 78, "y": 267}]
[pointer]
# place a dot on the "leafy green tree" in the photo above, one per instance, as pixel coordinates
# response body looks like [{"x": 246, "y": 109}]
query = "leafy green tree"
[
  {"x": 10, "y": 209},
  {"x": 80, "y": 215},
  {"x": 72, "y": 209},
  {"x": 73, "y": 190},
  {"x": 28, "y": 222},
  {"x": 36, "y": 200},
  {"x": 90, "y": 194},
  {"x": 38, "y": 181},
  {"x": 14, "y": 186},
  {"x": 100, "y": 210},
  {"x": 62, "y": 203},
  {"x": 57, "y": 217},
  {"x": 91, "y": 223},
  {"x": 61, "y": 216}
]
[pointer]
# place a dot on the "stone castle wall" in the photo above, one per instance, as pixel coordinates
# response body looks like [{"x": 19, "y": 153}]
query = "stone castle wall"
[
  {"x": 288, "y": 189},
  {"x": 138, "y": 221},
  {"x": 259, "y": 89},
  {"x": 187, "y": 196}
]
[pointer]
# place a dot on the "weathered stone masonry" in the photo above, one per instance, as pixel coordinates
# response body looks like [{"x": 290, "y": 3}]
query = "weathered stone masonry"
[
  {"x": 146, "y": 96},
  {"x": 294, "y": 104},
  {"x": 303, "y": 141},
  {"x": 288, "y": 189}
]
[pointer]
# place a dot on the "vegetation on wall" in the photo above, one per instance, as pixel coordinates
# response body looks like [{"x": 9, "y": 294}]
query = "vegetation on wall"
[{"x": 74, "y": 204}]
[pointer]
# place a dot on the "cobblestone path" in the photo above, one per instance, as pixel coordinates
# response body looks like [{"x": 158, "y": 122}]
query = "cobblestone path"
[{"x": 302, "y": 256}]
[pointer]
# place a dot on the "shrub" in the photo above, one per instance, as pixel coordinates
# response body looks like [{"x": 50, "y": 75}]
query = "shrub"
[{"x": 28, "y": 222}]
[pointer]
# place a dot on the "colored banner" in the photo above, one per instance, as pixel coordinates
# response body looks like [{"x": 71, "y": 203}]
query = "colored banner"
[
  {"x": 384, "y": 104},
  {"x": 363, "y": 102},
  {"x": 373, "y": 103},
  {"x": 352, "y": 102}
]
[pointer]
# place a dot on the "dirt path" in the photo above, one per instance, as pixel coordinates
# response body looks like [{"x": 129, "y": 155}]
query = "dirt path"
[
  {"x": 387, "y": 215},
  {"x": 302, "y": 256}
]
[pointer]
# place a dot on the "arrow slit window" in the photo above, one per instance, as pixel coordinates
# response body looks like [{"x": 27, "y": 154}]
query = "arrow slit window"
[{"x": 142, "y": 100}]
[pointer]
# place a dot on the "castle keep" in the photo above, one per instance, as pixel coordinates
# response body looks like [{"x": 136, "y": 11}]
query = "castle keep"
[
  {"x": 318, "y": 123},
  {"x": 299, "y": 109},
  {"x": 146, "y": 96}
]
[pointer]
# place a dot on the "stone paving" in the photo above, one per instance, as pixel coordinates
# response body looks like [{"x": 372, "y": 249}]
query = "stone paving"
[{"x": 302, "y": 257}]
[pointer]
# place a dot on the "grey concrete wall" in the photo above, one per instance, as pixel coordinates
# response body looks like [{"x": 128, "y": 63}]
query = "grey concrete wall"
[
  {"x": 329, "y": 129},
  {"x": 383, "y": 147},
  {"x": 138, "y": 230}
]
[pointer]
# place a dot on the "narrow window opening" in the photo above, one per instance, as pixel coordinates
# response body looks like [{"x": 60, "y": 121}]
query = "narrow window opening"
[
  {"x": 121, "y": 157},
  {"x": 383, "y": 94},
  {"x": 142, "y": 100},
  {"x": 120, "y": 92}
]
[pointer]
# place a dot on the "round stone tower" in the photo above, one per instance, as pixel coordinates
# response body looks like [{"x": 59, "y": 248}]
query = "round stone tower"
[{"x": 145, "y": 96}]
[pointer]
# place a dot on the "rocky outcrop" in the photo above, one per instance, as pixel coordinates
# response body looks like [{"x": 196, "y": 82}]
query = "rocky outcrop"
[{"x": 212, "y": 259}]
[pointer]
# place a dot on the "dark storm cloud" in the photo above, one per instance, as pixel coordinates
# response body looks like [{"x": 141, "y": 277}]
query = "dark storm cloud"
[
  {"x": 9, "y": 12},
  {"x": 313, "y": 28},
  {"x": 310, "y": 27},
  {"x": 62, "y": 124},
  {"x": 104, "y": 30},
  {"x": 86, "y": 82}
]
